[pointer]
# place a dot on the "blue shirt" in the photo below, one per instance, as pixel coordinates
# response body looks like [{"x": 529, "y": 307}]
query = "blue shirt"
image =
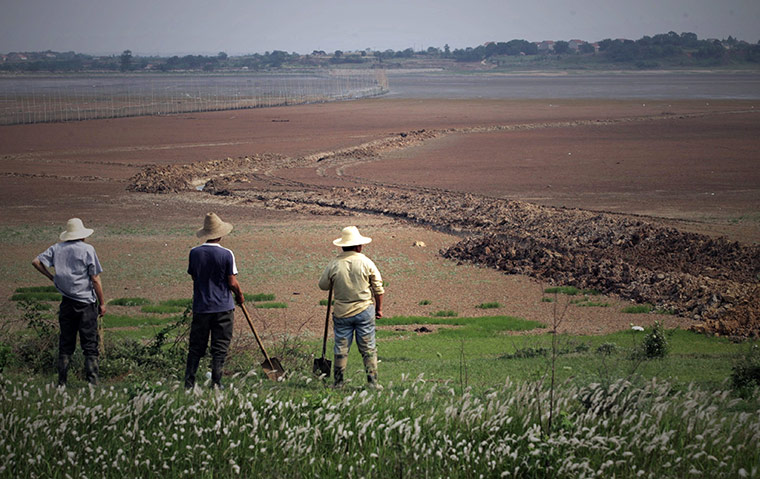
[
  {"x": 211, "y": 265},
  {"x": 75, "y": 262}
]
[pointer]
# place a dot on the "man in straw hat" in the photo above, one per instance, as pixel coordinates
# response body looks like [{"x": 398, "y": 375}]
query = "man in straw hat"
[
  {"x": 214, "y": 271},
  {"x": 77, "y": 276},
  {"x": 356, "y": 282}
]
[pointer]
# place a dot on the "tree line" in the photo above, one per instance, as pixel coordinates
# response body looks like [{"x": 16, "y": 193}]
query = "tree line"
[{"x": 647, "y": 52}]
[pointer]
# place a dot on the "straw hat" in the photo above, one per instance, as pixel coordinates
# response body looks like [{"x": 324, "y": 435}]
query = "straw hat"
[
  {"x": 213, "y": 227},
  {"x": 75, "y": 230},
  {"x": 350, "y": 236}
]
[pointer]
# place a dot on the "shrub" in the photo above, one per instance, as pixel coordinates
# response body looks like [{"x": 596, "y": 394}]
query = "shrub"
[
  {"x": 129, "y": 301},
  {"x": 492, "y": 305},
  {"x": 655, "y": 344},
  {"x": 745, "y": 374}
]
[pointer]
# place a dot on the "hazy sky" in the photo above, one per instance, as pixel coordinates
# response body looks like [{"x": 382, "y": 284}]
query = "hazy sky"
[{"x": 169, "y": 27}]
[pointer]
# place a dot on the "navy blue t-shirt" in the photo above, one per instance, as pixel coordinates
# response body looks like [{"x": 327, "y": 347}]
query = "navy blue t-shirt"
[{"x": 210, "y": 265}]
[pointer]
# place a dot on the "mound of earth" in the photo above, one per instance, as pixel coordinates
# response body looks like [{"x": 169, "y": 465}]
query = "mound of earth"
[{"x": 711, "y": 280}]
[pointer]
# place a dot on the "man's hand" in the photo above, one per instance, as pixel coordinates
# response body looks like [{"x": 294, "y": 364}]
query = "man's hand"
[
  {"x": 378, "y": 314},
  {"x": 102, "y": 309}
]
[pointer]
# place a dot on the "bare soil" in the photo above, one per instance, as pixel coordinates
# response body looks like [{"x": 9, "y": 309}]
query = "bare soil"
[{"x": 627, "y": 198}]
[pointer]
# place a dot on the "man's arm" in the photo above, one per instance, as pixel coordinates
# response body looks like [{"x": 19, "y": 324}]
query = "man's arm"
[
  {"x": 235, "y": 288},
  {"x": 324, "y": 281},
  {"x": 98, "y": 287},
  {"x": 378, "y": 306},
  {"x": 42, "y": 268}
]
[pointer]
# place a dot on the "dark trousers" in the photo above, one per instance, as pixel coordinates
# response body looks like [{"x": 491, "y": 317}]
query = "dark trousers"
[
  {"x": 82, "y": 318},
  {"x": 219, "y": 327},
  {"x": 77, "y": 317}
]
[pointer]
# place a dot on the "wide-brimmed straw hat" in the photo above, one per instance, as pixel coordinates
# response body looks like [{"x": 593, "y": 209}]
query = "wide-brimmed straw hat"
[
  {"x": 213, "y": 227},
  {"x": 75, "y": 230},
  {"x": 350, "y": 236}
]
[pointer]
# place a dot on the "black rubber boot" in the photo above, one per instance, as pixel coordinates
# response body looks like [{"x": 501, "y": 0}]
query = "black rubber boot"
[
  {"x": 64, "y": 361},
  {"x": 91, "y": 369},
  {"x": 190, "y": 370},
  {"x": 217, "y": 366}
]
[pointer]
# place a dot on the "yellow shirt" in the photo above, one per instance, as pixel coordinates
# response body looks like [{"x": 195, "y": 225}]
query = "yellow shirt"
[{"x": 355, "y": 280}]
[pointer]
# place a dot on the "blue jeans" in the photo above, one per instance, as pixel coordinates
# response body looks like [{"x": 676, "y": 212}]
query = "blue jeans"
[{"x": 363, "y": 326}]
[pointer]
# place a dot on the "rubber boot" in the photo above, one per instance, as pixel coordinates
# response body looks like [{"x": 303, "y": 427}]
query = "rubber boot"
[
  {"x": 339, "y": 367},
  {"x": 370, "y": 368},
  {"x": 64, "y": 360},
  {"x": 91, "y": 369},
  {"x": 217, "y": 365},
  {"x": 190, "y": 370}
]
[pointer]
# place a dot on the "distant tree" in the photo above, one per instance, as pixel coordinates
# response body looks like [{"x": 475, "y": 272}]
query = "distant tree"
[
  {"x": 561, "y": 47},
  {"x": 338, "y": 54},
  {"x": 125, "y": 60},
  {"x": 586, "y": 48},
  {"x": 446, "y": 50},
  {"x": 221, "y": 56}
]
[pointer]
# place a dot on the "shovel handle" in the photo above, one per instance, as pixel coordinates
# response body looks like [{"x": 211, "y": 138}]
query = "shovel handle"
[
  {"x": 327, "y": 321},
  {"x": 255, "y": 334}
]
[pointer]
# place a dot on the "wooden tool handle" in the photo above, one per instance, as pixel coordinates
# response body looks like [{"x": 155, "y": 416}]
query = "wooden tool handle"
[
  {"x": 327, "y": 321},
  {"x": 255, "y": 334}
]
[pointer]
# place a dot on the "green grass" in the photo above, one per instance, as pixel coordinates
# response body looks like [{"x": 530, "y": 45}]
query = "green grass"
[
  {"x": 37, "y": 289},
  {"x": 571, "y": 291},
  {"x": 169, "y": 306},
  {"x": 129, "y": 302},
  {"x": 261, "y": 297},
  {"x": 638, "y": 309},
  {"x": 586, "y": 303},
  {"x": 323, "y": 302},
  {"x": 125, "y": 321},
  {"x": 36, "y": 296},
  {"x": 425, "y": 302},
  {"x": 447, "y": 313},
  {"x": 271, "y": 305},
  {"x": 491, "y": 305},
  {"x": 547, "y": 300}
]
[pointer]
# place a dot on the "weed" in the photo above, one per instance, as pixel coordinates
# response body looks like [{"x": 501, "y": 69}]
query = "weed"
[
  {"x": 568, "y": 290},
  {"x": 637, "y": 309},
  {"x": 655, "y": 344},
  {"x": 169, "y": 306},
  {"x": 262, "y": 297},
  {"x": 606, "y": 349},
  {"x": 129, "y": 301},
  {"x": 547, "y": 300},
  {"x": 323, "y": 302},
  {"x": 37, "y": 289},
  {"x": 271, "y": 305},
  {"x": 491, "y": 305},
  {"x": 425, "y": 302},
  {"x": 445, "y": 314},
  {"x": 36, "y": 296}
]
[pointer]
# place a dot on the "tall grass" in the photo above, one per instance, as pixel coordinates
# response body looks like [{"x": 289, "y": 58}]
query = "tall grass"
[{"x": 298, "y": 428}]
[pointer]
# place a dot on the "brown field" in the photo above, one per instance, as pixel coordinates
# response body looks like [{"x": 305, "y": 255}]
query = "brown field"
[{"x": 691, "y": 165}]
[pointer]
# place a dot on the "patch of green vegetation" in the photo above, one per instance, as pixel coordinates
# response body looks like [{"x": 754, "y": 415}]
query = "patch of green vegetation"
[
  {"x": 425, "y": 302},
  {"x": 445, "y": 313},
  {"x": 491, "y": 305},
  {"x": 129, "y": 302},
  {"x": 169, "y": 306},
  {"x": 261, "y": 297},
  {"x": 271, "y": 305},
  {"x": 638, "y": 309},
  {"x": 36, "y": 296},
  {"x": 323, "y": 302},
  {"x": 571, "y": 291},
  {"x": 586, "y": 303},
  {"x": 125, "y": 321},
  {"x": 37, "y": 289},
  {"x": 547, "y": 300}
]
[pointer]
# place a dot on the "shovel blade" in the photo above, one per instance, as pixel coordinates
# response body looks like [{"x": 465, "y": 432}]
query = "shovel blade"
[
  {"x": 322, "y": 367},
  {"x": 273, "y": 369}
]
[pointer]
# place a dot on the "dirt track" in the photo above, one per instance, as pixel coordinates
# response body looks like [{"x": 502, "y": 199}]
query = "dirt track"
[{"x": 457, "y": 173}]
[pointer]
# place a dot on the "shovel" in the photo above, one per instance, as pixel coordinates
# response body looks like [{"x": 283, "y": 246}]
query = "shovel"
[
  {"x": 322, "y": 366},
  {"x": 272, "y": 367}
]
